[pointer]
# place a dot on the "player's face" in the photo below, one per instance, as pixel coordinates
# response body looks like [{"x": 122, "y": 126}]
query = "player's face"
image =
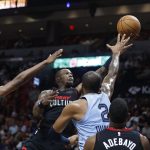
[{"x": 67, "y": 77}]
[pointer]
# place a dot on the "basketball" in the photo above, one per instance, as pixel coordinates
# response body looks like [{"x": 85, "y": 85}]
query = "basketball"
[{"x": 129, "y": 25}]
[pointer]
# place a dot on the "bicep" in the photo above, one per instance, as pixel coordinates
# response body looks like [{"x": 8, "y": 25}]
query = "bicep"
[{"x": 62, "y": 120}]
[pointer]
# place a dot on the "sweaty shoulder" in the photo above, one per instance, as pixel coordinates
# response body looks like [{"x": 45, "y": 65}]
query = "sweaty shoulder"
[{"x": 78, "y": 108}]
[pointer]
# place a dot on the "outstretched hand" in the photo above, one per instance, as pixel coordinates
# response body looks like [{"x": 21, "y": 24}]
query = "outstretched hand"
[
  {"x": 54, "y": 56},
  {"x": 121, "y": 45}
]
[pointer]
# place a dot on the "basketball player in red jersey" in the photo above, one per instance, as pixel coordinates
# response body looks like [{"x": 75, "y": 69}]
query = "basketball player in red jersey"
[
  {"x": 117, "y": 137},
  {"x": 22, "y": 77}
]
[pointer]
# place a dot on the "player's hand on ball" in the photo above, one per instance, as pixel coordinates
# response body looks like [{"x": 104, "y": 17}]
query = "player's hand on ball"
[
  {"x": 54, "y": 56},
  {"x": 73, "y": 140},
  {"x": 121, "y": 45}
]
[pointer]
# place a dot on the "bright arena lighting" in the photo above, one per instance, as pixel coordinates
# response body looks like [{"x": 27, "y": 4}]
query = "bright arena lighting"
[
  {"x": 80, "y": 62},
  {"x": 68, "y": 4},
  {"x": 6, "y": 4}
]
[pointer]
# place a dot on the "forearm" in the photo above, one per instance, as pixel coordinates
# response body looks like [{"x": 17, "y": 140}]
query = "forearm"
[
  {"x": 114, "y": 65},
  {"x": 21, "y": 78},
  {"x": 37, "y": 110},
  {"x": 43, "y": 102},
  {"x": 27, "y": 74},
  {"x": 109, "y": 80}
]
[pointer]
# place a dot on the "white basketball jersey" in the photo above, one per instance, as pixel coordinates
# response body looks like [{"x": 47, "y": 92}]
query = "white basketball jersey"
[{"x": 95, "y": 118}]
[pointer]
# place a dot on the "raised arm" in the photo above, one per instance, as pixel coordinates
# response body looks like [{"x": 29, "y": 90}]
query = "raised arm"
[
  {"x": 22, "y": 77},
  {"x": 102, "y": 70},
  {"x": 109, "y": 80}
]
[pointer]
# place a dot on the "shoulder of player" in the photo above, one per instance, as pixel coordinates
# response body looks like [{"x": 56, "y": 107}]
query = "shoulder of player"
[
  {"x": 145, "y": 142},
  {"x": 76, "y": 107},
  {"x": 90, "y": 143},
  {"x": 80, "y": 104}
]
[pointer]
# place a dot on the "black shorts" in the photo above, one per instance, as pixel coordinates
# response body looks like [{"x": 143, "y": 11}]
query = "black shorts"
[{"x": 40, "y": 141}]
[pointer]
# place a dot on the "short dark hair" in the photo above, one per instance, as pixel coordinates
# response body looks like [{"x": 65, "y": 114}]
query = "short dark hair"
[
  {"x": 118, "y": 111},
  {"x": 91, "y": 81}
]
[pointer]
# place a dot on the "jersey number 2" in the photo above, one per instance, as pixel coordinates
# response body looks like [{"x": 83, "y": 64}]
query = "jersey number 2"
[{"x": 104, "y": 112}]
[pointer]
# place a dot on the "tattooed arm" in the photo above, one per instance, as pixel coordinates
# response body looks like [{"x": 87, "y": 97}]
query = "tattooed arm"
[
  {"x": 43, "y": 101},
  {"x": 109, "y": 80}
]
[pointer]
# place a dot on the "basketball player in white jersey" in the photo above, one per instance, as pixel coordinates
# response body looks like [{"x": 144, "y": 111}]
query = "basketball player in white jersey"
[
  {"x": 89, "y": 113},
  {"x": 22, "y": 77}
]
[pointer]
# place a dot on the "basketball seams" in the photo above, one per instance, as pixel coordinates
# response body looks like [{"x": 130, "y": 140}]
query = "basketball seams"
[
  {"x": 129, "y": 25},
  {"x": 129, "y": 19},
  {"x": 127, "y": 31},
  {"x": 135, "y": 32}
]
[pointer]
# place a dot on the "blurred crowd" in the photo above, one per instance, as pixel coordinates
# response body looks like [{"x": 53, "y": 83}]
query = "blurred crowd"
[{"x": 93, "y": 39}]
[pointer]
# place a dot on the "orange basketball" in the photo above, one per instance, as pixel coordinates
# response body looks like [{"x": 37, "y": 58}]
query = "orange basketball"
[{"x": 129, "y": 25}]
